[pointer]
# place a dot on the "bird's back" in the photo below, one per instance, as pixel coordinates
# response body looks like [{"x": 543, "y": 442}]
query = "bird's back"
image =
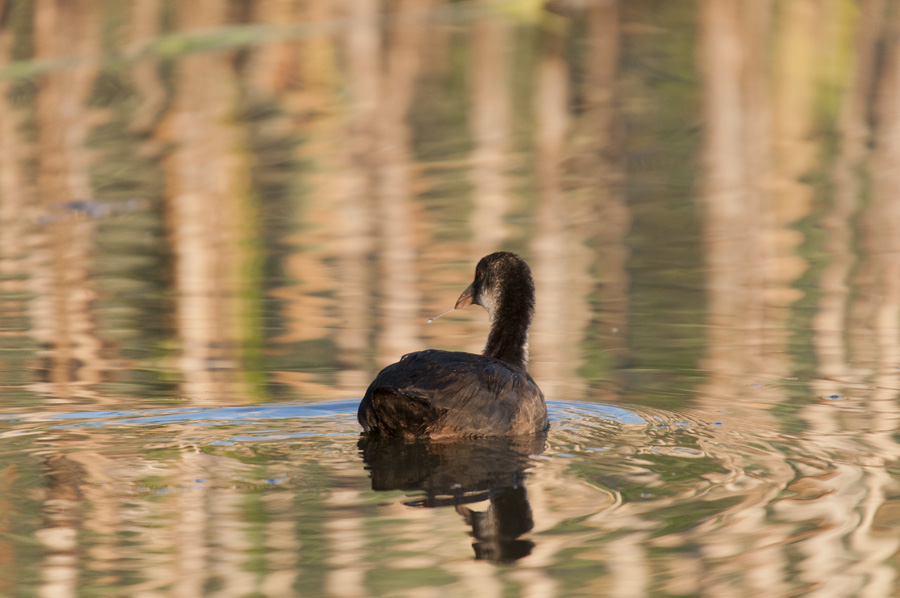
[{"x": 452, "y": 394}]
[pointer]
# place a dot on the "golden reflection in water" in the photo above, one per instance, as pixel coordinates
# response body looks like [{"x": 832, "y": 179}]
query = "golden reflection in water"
[
  {"x": 64, "y": 323},
  {"x": 415, "y": 146},
  {"x": 607, "y": 217},
  {"x": 829, "y": 322},
  {"x": 490, "y": 125},
  {"x": 552, "y": 244},
  {"x": 210, "y": 214},
  {"x": 15, "y": 208},
  {"x": 303, "y": 75},
  {"x": 355, "y": 218},
  {"x": 399, "y": 320},
  {"x": 751, "y": 218},
  {"x": 8, "y": 477},
  {"x": 146, "y": 78}
]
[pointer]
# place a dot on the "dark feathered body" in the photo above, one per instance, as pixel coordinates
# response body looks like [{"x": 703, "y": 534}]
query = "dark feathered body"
[
  {"x": 452, "y": 394},
  {"x": 446, "y": 393}
]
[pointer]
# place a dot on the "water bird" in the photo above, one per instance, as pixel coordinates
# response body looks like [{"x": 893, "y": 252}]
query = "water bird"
[{"x": 452, "y": 394}]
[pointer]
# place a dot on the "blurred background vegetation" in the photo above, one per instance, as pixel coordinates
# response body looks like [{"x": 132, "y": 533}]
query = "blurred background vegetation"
[
  {"x": 238, "y": 201},
  {"x": 211, "y": 204}
]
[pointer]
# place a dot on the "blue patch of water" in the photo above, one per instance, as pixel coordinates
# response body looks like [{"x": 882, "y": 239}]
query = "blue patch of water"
[
  {"x": 560, "y": 412},
  {"x": 567, "y": 410},
  {"x": 206, "y": 417}
]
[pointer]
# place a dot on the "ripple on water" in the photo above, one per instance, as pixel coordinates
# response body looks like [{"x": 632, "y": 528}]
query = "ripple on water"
[
  {"x": 632, "y": 451},
  {"x": 573, "y": 422},
  {"x": 210, "y": 427},
  {"x": 671, "y": 466},
  {"x": 596, "y": 427},
  {"x": 673, "y": 481},
  {"x": 210, "y": 416}
]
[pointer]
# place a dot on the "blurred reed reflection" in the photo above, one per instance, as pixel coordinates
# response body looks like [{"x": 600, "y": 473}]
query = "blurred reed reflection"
[
  {"x": 228, "y": 203},
  {"x": 310, "y": 192}
]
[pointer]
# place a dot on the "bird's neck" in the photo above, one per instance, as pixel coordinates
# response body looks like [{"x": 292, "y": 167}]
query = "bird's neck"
[{"x": 508, "y": 338}]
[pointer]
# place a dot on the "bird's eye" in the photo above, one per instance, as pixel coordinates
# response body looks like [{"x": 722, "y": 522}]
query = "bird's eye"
[{"x": 478, "y": 274}]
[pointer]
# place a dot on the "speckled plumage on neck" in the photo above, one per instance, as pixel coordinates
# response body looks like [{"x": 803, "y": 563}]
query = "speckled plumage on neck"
[{"x": 504, "y": 286}]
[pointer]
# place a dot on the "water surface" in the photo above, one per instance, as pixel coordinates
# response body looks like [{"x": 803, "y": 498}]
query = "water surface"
[{"x": 219, "y": 220}]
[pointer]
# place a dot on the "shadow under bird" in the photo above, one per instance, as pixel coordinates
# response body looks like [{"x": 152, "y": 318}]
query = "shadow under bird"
[
  {"x": 460, "y": 474},
  {"x": 451, "y": 394}
]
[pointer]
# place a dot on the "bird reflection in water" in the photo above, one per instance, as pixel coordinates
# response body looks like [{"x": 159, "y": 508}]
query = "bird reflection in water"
[{"x": 459, "y": 473}]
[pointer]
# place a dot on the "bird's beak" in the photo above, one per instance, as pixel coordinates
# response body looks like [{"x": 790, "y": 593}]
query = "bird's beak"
[{"x": 465, "y": 299}]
